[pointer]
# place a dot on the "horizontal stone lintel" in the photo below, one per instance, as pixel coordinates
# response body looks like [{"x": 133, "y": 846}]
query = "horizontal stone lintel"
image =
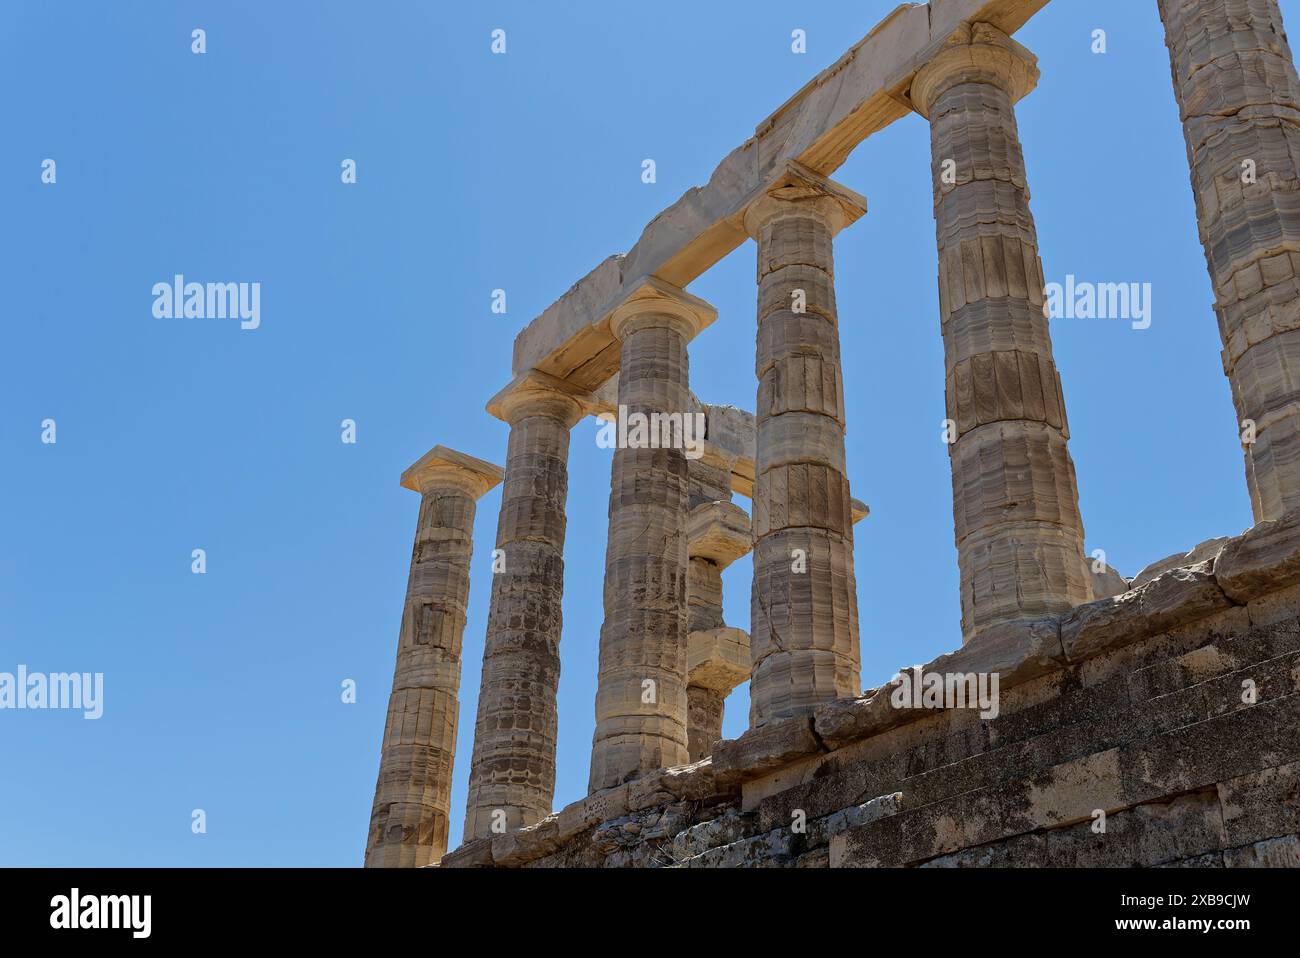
[{"x": 864, "y": 91}]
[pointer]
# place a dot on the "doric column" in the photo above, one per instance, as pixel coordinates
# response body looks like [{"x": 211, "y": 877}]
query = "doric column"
[
  {"x": 1015, "y": 500},
  {"x": 641, "y": 692},
  {"x": 1239, "y": 97},
  {"x": 804, "y": 606},
  {"x": 718, "y": 533},
  {"x": 717, "y": 660},
  {"x": 408, "y": 822},
  {"x": 512, "y": 775}
]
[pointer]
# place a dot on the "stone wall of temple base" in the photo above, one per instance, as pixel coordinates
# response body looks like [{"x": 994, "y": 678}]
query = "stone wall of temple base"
[{"x": 1160, "y": 727}]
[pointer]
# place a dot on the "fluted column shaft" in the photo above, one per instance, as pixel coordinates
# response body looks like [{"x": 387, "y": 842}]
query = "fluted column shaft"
[
  {"x": 408, "y": 822},
  {"x": 512, "y": 774},
  {"x": 718, "y": 533},
  {"x": 803, "y": 608},
  {"x": 706, "y": 708},
  {"x": 1239, "y": 97},
  {"x": 641, "y": 702},
  {"x": 704, "y": 594},
  {"x": 1015, "y": 499}
]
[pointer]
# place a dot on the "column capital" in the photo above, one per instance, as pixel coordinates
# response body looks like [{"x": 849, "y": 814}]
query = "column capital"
[
  {"x": 798, "y": 189},
  {"x": 655, "y": 298},
  {"x": 535, "y": 393},
  {"x": 718, "y": 531},
  {"x": 717, "y": 659},
  {"x": 977, "y": 53},
  {"x": 441, "y": 467}
]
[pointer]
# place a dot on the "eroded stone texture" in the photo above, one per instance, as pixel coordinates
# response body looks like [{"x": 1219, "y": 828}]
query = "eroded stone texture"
[
  {"x": 512, "y": 774},
  {"x": 804, "y": 607},
  {"x": 641, "y": 700},
  {"x": 1149, "y": 725},
  {"x": 408, "y": 822},
  {"x": 717, "y": 662},
  {"x": 1239, "y": 97},
  {"x": 718, "y": 533},
  {"x": 1199, "y": 553},
  {"x": 1015, "y": 500}
]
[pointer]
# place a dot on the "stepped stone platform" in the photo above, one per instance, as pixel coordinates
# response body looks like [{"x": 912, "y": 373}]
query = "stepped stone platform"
[{"x": 1132, "y": 705}]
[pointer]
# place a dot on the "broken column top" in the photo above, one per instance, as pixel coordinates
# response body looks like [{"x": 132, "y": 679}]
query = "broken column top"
[{"x": 441, "y": 467}]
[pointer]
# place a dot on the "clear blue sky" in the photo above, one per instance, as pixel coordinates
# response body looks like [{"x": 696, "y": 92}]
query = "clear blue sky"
[{"x": 222, "y": 691}]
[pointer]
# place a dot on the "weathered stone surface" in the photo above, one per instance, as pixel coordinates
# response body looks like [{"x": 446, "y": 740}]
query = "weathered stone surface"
[
  {"x": 696, "y": 782},
  {"x": 704, "y": 711},
  {"x": 1017, "y": 651},
  {"x": 845, "y": 720},
  {"x": 1151, "y": 835},
  {"x": 1185, "y": 771},
  {"x": 1261, "y": 804},
  {"x": 1261, "y": 559},
  {"x": 768, "y": 746},
  {"x": 1203, "y": 552},
  {"x": 1106, "y": 582},
  {"x": 1273, "y": 853},
  {"x": 727, "y": 829},
  {"x": 1185, "y": 759},
  {"x": 1240, "y": 655},
  {"x": 514, "y": 848},
  {"x": 408, "y": 821},
  {"x": 718, "y": 658},
  {"x": 598, "y": 807},
  {"x": 1145, "y": 836},
  {"x": 1172, "y": 599},
  {"x": 718, "y": 531},
  {"x": 476, "y": 853},
  {"x": 771, "y": 850}
]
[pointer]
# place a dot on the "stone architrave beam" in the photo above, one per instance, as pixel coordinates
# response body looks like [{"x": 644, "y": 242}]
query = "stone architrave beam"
[{"x": 819, "y": 127}]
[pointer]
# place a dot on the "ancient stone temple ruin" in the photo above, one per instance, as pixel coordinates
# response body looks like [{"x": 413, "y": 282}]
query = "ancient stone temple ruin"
[{"x": 1165, "y": 709}]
